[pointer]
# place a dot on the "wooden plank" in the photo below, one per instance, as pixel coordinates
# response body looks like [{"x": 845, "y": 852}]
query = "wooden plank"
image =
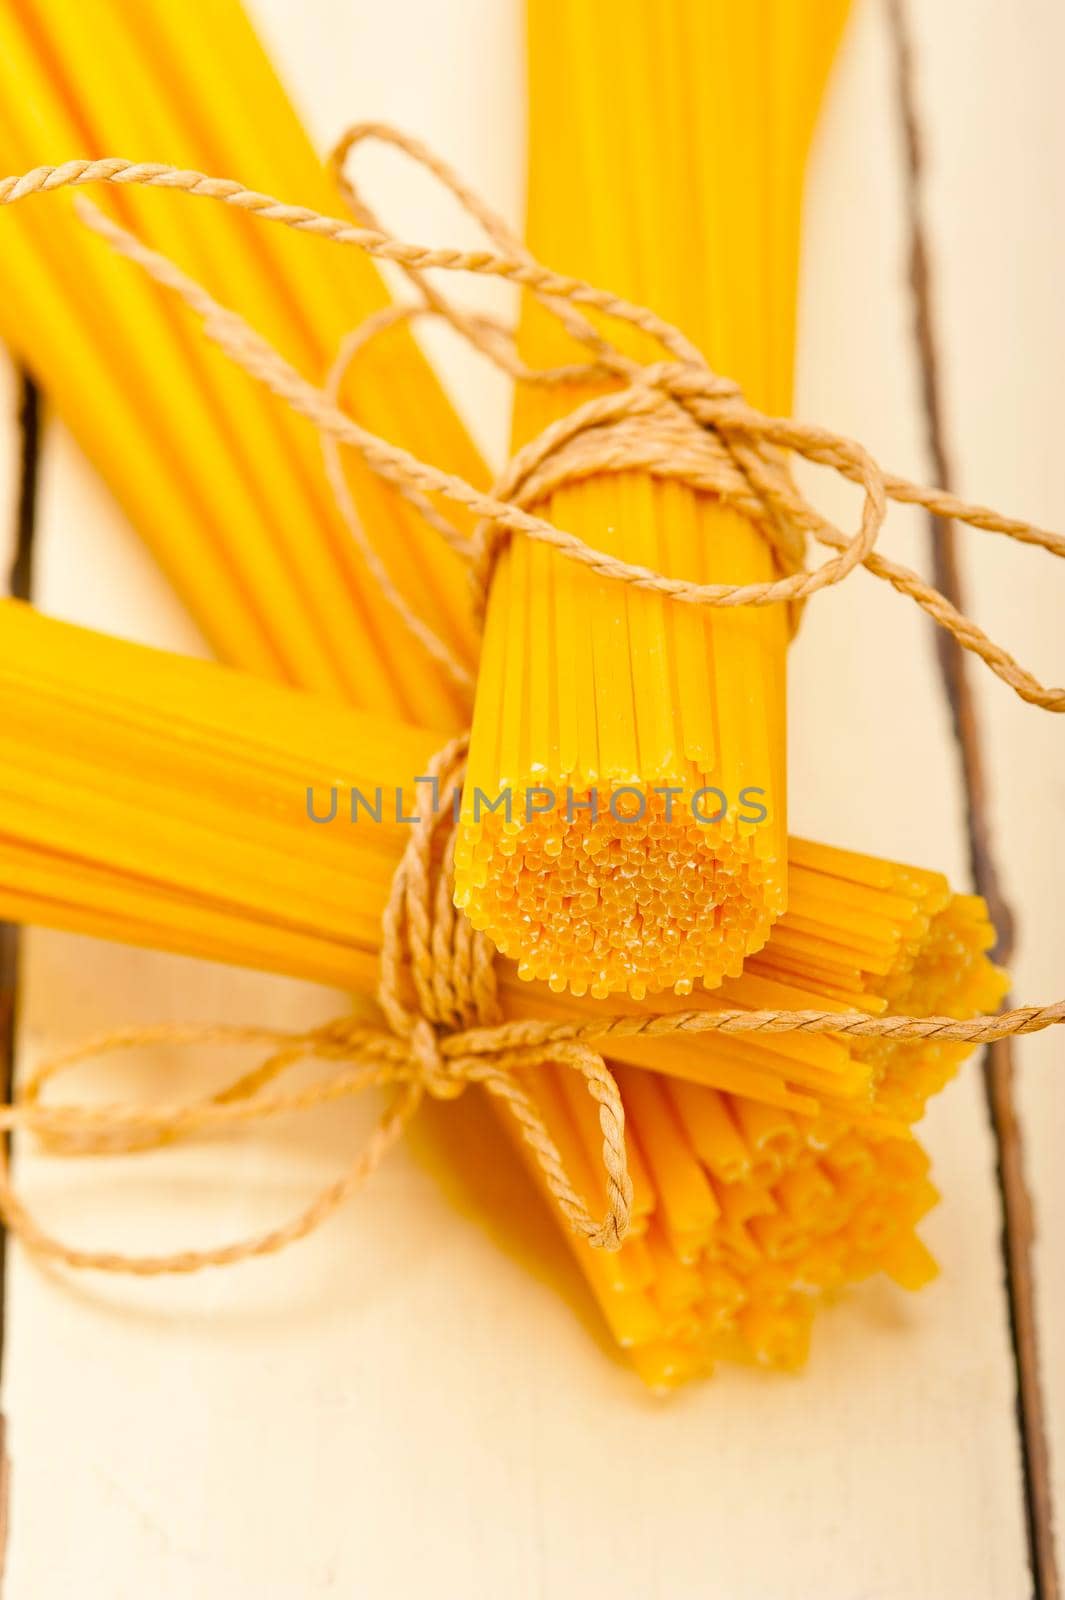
[
  {"x": 992, "y": 198},
  {"x": 401, "y": 1403}
]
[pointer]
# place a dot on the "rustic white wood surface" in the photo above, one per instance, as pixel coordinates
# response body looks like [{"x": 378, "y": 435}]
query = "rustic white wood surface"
[{"x": 400, "y": 1405}]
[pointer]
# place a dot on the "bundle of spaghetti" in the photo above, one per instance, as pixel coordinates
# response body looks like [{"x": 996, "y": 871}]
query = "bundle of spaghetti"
[
  {"x": 756, "y": 1217},
  {"x": 211, "y": 831},
  {"x": 666, "y": 154},
  {"x": 226, "y": 485},
  {"x": 151, "y": 799}
]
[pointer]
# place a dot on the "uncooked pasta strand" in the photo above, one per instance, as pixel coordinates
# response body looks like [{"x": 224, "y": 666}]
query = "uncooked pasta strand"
[
  {"x": 118, "y": 790},
  {"x": 215, "y": 819},
  {"x": 244, "y": 523},
  {"x": 655, "y": 169}
]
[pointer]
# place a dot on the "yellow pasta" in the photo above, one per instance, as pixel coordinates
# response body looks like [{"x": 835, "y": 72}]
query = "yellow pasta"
[
  {"x": 225, "y": 484},
  {"x": 211, "y": 826},
  {"x": 163, "y": 802},
  {"x": 156, "y": 800},
  {"x": 666, "y": 154}
]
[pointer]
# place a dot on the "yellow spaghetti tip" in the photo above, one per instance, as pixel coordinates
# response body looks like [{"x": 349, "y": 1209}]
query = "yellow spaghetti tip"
[{"x": 655, "y": 171}]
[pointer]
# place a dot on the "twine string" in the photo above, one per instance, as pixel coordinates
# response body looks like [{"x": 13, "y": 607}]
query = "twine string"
[
  {"x": 350, "y": 347},
  {"x": 723, "y": 424},
  {"x": 496, "y": 1056},
  {"x": 442, "y": 1029}
]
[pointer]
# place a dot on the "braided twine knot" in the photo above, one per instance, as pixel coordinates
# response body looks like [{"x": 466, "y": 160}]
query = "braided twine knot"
[
  {"x": 439, "y": 996},
  {"x": 442, "y": 1031}
]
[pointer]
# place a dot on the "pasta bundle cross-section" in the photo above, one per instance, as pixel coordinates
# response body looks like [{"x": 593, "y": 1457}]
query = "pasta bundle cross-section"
[{"x": 666, "y": 155}]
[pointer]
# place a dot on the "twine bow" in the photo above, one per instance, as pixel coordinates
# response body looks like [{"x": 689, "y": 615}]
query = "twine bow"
[{"x": 672, "y": 417}]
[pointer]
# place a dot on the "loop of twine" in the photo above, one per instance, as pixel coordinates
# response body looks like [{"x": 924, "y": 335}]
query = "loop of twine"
[{"x": 673, "y": 418}]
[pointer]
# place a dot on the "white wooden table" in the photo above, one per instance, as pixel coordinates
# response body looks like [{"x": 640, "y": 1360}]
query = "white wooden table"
[{"x": 399, "y": 1406}]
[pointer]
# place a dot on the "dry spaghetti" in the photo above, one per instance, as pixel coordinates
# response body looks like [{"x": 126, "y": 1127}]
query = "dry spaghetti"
[{"x": 701, "y": 430}]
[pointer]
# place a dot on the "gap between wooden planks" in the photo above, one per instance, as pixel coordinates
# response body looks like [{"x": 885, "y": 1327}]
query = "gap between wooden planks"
[
  {"x": 1018, "y": 1228},
  {"x": 19, "y": 583}
]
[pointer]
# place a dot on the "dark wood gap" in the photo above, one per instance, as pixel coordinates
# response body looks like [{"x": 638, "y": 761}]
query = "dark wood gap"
[
  {"x": 30, "y": 423},
  {"x": 19, "y": 585},
  {"x": 1017, "y": 1214}
]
